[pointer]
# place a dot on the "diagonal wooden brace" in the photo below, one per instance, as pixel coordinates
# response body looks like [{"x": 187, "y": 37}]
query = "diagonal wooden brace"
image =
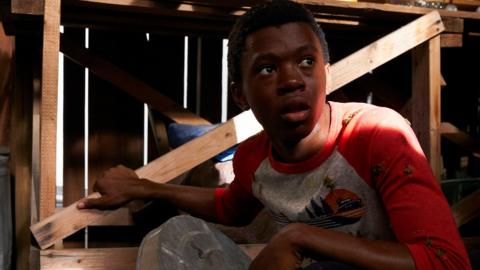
[
  {"x": 242, "y": 126},
  {"x": 128, "y": 83}
]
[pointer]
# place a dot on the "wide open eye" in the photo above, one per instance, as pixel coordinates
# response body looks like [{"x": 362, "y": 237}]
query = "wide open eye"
[
  {"x": 307, "y": 62},
  {"x": 266, "y": 69}
]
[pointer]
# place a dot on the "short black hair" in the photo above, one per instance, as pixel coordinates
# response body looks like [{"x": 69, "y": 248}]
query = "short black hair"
[{"x": 271, "y": 13}]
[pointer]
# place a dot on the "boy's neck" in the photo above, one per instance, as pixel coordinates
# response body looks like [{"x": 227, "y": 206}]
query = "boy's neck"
[{"x": 307, "y": 147}]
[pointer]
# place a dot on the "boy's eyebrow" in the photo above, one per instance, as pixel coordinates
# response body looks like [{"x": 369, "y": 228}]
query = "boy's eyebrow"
[{"x": 272, "y": 56}]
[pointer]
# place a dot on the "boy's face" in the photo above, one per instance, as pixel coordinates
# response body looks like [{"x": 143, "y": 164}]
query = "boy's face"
[{"x": 283, "y": 80}]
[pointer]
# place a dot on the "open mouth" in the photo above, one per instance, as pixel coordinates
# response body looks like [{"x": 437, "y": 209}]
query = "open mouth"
[{"x": 295, "y": 112}]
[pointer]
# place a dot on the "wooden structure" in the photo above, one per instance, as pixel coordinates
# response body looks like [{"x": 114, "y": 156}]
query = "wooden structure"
[{"x": 203, "y": 18}]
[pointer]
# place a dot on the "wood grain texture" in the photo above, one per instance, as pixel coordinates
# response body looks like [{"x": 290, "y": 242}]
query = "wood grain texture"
[
  {"x": 451, "y": 40},
  {"x": 426, "y": 80},
  {"x": 6, "y": 66},
  {"x": 217, "y": 8},
  {"x": 27, "y": 59},
  {"x": 385, "y": 49},
  {"x": 180, "y": 160},
  {"x": 161, "y": 170},
  {"x": 28, "y": 7},
  {"x": 92, "y": 259},
  {"x": 48, "y": 110},
  {"x": 102, "y": 258}
]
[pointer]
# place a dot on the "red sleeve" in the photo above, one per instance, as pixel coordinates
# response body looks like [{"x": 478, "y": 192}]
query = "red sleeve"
[
  {"x": 419, "y": 213},
  {"x": 236, "y": 204}
]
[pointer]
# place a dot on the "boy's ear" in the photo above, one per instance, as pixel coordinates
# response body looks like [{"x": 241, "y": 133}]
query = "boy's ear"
[
  {"x": 238, "y": 96},
  {"x": 328, "y": 78}
]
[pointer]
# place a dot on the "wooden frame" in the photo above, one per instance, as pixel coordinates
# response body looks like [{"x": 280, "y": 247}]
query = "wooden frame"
[
  {"x": 425, "y": 65},
  {"x": 165, "y": 168},
  {"x": 48, "y": 113}
]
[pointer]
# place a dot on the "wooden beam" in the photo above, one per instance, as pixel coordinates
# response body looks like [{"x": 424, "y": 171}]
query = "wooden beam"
[
  {"x": 101, "y": 258},
  {"x": 460, "y": 138},
  {"x": 180, "y": 160},
  {"x": 161, "y": 170},
  {"x": 6, "y": 80},
  {"x": 27, "y": 60},
  {"x": 28, "y": 7},
  {"x": 120, "y": 217},
  {"x": 206, "y": 8},
  {"x": 453, "y": 25},
  {"x": 95, "y": 258},
  {"x": 426, "y": 88},
  {"x": 48, "y": 109},
  {"x": 467, "y": 209},
  {"x": 129, "y": 83},
  {"x": 385, "y": 49},
  {"x": 451, "y": 40}
]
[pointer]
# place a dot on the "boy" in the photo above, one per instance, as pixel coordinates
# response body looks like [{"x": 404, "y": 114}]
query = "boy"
[{"x": 349, "y": 182}]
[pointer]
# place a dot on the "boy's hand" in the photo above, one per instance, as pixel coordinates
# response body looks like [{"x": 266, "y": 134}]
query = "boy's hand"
[
  {"x": 118, "y": 186},
  {"x": 281, "y": 253}
]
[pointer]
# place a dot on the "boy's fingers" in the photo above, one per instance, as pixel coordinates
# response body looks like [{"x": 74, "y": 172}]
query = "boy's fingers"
[{"x": 97, "y": 203}]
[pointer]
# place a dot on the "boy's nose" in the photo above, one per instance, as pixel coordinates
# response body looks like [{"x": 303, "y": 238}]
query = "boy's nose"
[{"x": 290, "y": 80}]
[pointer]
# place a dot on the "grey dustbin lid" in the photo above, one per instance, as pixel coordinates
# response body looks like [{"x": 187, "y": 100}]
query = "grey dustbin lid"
[{"x": 185, "y": 242}]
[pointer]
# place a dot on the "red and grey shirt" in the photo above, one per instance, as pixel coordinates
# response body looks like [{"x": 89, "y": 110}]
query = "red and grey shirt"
[{"x": 371, "y": 179}]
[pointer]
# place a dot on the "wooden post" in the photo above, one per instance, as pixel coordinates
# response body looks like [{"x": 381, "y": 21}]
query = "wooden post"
[
  {"x": 6, "y": 54},
  {"x": 48, "y": 109},
  {"x": 26, "y": 62},
  {"x": 426, "y": 88}
]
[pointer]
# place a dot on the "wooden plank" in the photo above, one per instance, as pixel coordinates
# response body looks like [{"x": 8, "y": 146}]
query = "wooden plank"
[
  {"x": 6, "y": 217},
  {"x": 385, "y": 49},
  {"x": 377, "y": 8},
  {"x": 426, "y": 94},
  {"x": 161, "y": 170},
  {"x": 118, "y": 118},
  {"x": 180, "y": 160},
  {"x": 467, "y": 209},
  {"x": 94, "y": 259},
  {"x": 48, "y": 111},
  {"x": 121, "y": 217},
  {"x": 29, "y": 7},
  {"x": 127, "y": 82},
  {"x": 73, "y": 124},
  {"x": 102, "y": 258},
  {"x": 451, "y": 40},
  {"x": 453, "y": 25},
  {"x": 6, "y": 66},
  {"x": 460, "y": 138},
  {"x": 27, "y": 59},
  {"x": 217, "y": 8}
]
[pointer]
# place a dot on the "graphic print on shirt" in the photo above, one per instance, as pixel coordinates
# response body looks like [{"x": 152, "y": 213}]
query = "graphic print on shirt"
[
  {"x": 339, "y": 207},
  {"x": 332, "y": 195}
]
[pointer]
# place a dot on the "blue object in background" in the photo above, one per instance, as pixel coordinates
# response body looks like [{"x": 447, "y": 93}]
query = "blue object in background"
[{"x": 179, "y": 134}]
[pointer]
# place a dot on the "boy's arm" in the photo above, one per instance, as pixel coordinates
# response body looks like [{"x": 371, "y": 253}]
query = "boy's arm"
[
  {"x": 398, "y": 170},
  {"x": 286, "y": 249},
  {"x": 121, "y": 185}
]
